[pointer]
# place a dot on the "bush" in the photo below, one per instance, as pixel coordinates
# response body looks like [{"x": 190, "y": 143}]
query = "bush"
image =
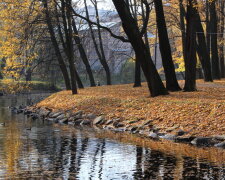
[{"x": 10, "y": 86}]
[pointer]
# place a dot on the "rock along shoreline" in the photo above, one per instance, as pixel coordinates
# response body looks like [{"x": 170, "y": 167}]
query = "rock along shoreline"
[{"x": 146, "y": 129}]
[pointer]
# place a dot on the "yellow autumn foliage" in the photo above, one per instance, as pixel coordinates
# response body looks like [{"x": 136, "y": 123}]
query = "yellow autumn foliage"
[{"x": 15, "y": 41}]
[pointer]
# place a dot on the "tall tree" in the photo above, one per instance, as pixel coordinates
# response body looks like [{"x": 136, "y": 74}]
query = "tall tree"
[
  {"x": 214, "y": 40},
  {"x": 201, "y": 45},
  {"x": 103, "y": 60},
  {"x": 83, "y": 54},
  {"x": 66, "y": 33},
  {"x": 135, "y": 7},
  {"x": 182, "y": 25},
  {"x": 165, "y": 49},
  {"x": 100, "y": 53},
  {"x": 203, "y": 53},
  {"x": 60, "y": 59},
  {"x": 190, "y": 47},
  {"x": 69, "y": 42},
  {"x": 137, "y": 73},
  {"x": 221, "y": 36},
  {"x": 207, "y": 26},
  {"x": 134, "y": 35}
]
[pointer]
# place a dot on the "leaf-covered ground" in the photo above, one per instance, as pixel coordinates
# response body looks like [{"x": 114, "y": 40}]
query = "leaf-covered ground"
[{"x": 201, "y": 113}]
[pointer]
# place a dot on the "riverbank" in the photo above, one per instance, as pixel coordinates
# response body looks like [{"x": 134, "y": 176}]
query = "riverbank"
[
  {"x": 10, "y": 86},
  {"x": 181, "y": 115}
]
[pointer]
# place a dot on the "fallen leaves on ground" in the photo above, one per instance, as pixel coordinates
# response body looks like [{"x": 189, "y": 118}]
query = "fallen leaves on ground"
[{"x": 201, "y": 112}]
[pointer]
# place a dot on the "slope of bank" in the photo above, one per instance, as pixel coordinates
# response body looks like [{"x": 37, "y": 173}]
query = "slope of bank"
[{"x": 200, "y": 113}]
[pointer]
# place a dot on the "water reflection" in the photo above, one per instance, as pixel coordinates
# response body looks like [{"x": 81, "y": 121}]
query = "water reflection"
[{"x": 57, "y": 152}]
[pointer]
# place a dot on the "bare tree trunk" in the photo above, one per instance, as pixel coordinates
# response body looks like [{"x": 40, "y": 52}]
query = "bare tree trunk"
[
  {"x": 137, "y": 76},
  {"x": 221, "y": 37},
  {"x": 208, "y": 27},
  {"x": 190, "y": 60},
  {"x": 69, "y": 43},
  {"x": 137, "y": 79},
  {"x": 130, "y": 27},
  {"x": 62, "y": 64},
  {"x": 104, "y": 62},
  {"x": 214, "y": 41},
  {"x": 202, "y": 50},
  {"x": 83, "y": 54},
  {"x": 28, "y": 75},
  {"x": 79, "y": 82},
  {"x": 101, "y": 59},
  {"x": 182, "y": 26},
  {"x": 165, "y": 49}
]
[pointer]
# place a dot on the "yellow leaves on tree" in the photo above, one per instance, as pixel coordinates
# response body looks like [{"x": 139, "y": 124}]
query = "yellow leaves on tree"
[{"x": 15, "y": 43}]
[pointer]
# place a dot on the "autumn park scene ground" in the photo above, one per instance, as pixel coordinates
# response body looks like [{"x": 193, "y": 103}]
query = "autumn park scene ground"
[
  {"x": 201, "y": 113},
  {"x": 112, "y": 89}
]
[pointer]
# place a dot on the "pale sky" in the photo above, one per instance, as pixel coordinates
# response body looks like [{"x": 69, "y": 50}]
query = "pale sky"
[{"x": 103, "y": 4}]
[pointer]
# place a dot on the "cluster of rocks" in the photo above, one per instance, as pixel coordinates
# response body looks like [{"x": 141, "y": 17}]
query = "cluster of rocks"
[
  {"x": 18, "y": 110},
  {"x": 147, "y": 129},
  {"x": 78, "y": 118},
  {"x": 216, "y": 141}
]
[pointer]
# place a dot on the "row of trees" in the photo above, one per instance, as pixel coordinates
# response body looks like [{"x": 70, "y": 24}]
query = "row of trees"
[{"x": 189, "y": 30}]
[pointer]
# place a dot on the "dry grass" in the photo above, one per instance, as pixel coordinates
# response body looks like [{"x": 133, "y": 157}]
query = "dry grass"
[{"x": 202, "y": 112}]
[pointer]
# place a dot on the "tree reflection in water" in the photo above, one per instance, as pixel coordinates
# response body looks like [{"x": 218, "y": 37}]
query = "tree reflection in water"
[{"x": 52, "y": 151}]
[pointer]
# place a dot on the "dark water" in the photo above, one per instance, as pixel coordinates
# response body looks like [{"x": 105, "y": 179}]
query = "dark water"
[{"x": 39, "y": 150}]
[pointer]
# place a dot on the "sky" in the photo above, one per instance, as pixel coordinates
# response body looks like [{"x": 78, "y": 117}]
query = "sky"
[{"x": 103, "y": 4}]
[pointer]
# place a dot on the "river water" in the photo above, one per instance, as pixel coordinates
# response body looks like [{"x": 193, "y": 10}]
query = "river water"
[{"x": 40, "y": 150}]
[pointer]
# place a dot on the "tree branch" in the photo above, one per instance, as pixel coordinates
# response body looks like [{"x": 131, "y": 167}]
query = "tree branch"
[
  {"x": 99, "y": 25},
  {"x": 146, "y": 19}
]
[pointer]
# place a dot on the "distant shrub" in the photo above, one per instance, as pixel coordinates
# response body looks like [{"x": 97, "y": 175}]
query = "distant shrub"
[{"x": 10, "y": 86}]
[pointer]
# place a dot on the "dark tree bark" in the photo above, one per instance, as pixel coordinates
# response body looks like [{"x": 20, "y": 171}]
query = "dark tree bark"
[
  {"x": 104, "y": 61},
  {"x": 165, "y": 49},
  {"x": 1, "y": 67},
  {"x": 130, "y": 27},
  {"x": 221, "y": 37},
  {"x": 69, "y": 44},
  {"x": 190, "y": 60},
  {"x": 99, "y": 54},
  {"x": 64, "y": 44},
  {"x": 207, "y": 27},
  {"x": 137, "y": 76},
  {"x": 79, "y": 82},
  {"x": 62, "y": 64},
  {"x": 202, "y": 49},
  {"x": 83, "y": 55},
  {"x": 28, "y": 75},
  {"x": 214, "y": 41},
  {"x": 182, "y": 25}
]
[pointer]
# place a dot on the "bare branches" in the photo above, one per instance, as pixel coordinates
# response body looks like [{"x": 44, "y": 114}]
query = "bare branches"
[
  {"x": 99, "y": 25},
  {"x": 103, "y": 27},
  {"x": 146, "y": 19}
]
